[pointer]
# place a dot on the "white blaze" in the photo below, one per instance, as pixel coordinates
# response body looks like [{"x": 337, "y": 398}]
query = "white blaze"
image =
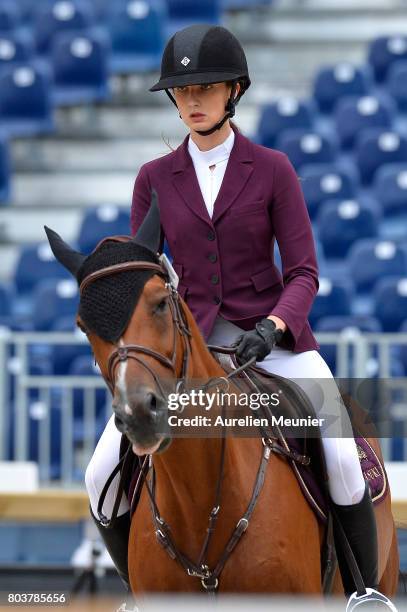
[{"x": 121, "y": 382}]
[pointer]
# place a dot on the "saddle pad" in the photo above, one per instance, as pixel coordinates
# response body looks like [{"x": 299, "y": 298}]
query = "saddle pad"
[{"x": 373, "y": 472}]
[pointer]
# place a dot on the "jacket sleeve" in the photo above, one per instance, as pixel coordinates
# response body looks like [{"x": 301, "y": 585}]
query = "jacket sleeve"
[
  {"x": 293, "y": 232},
  {"x": 141, "y": 203}
]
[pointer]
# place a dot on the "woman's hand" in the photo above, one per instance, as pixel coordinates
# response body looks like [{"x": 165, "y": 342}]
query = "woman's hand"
[{"x": 258, "y": 342}]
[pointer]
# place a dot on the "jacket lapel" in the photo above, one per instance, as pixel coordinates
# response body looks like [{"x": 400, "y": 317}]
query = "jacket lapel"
[
  {"x": 238, "y": 171},
  {"x": 186, "y": 182},
  {"x": 237, "y": 174}
]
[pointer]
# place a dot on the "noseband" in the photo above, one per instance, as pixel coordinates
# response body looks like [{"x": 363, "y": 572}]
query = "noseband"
[{"x": 130, "y": 351}]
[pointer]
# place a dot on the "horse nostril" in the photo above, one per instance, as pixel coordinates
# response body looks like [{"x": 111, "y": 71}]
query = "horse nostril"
[
  {"x": 120, "y": 424},
  {"x": 152, "y": 401}
]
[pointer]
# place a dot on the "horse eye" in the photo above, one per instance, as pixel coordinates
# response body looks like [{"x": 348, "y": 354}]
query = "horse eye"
[{"x": 161, "y": 306}]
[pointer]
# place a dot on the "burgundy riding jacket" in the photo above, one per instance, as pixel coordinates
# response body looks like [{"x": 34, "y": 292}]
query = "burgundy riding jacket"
[{"x": 226, "y": 264}]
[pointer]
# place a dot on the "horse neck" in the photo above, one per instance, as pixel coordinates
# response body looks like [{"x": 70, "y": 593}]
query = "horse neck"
[{"x": 190, "y": 466}]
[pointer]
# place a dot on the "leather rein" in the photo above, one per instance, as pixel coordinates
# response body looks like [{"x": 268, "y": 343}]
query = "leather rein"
[{"x": 209, "y": 578}]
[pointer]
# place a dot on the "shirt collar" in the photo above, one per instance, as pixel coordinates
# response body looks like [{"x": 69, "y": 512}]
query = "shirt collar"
[{"x": 213, "y": 156}]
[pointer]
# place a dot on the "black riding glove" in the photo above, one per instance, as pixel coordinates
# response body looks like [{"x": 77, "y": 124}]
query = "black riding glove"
[{"x": 258, "y": 342}]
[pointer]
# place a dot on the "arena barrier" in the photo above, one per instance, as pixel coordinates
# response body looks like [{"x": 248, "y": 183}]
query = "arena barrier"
[{"x": 56, "y": 420}]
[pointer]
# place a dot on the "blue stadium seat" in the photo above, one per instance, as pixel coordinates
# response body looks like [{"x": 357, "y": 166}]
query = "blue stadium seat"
[
  {"x": 38, "y": 365},
  {"x": 306, "y": 147},
  {"x": 36, "y": 263},
  {"x": 62, "y": 16},
  {"x": 397, "y": 83},
  {"x": 5, "y": 300},
  {"x": 25, "y": 102},
  {"x": 333, "y": 298},
  {"x": 403, "y": 348},
  {"x": 333, "y": 82},
  {"x": 369, "y": 260},
  {"x": 385, "y": 50},
  {"x": 37, "y": 414},
  {"x": 390, "y": 186},
  {"x": 100, "y": 222},
  {"x": 53, "y": 299},
  {"x": 14, "y": 49},
  {"x": 84, "y": 365},
  {"x": 322, "y": 182},
  {"x": 137, "y": 35},
  {"x": 340, "y": 224},
  {"x": 362, "y": 323},
  {"x": 9, "y": 16},
  {"x": 286, "y": 113},
  {"x": 63, "y": 355},
  {"x": 390, "y": 296},
  {"x": 80, "y": 65},
  {"x": 376, "y": 147},
  {"x": 182, "y": 13},
  {"x": 346, "y": 325},
  {"x": 4, "y": 171},
  {"x": 240, "y": 5},
  {"x": 353, "y": 114}
]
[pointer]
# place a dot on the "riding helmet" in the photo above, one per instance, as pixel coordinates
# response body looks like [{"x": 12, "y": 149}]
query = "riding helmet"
[{"x": 202, "y": 54}]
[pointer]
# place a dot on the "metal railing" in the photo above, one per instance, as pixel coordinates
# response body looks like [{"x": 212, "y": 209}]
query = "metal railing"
[{"x": 29, "y": 404}]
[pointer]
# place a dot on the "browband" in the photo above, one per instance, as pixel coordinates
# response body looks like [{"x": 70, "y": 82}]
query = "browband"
[{"x": 122, "y": 267}]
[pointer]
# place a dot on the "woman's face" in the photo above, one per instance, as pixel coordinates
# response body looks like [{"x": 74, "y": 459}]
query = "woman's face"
[{"x": 201, "y": 106}]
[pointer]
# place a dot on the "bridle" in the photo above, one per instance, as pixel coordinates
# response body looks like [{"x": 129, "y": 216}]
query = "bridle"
[
  {"x": 200, "y": 569},
  {"x": 130, "y": 351}
]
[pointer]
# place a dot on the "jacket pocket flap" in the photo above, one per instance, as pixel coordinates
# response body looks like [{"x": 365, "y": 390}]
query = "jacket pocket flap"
[
  {"x": 249, "y": 209},
  {"x": 266, "y": 278}
]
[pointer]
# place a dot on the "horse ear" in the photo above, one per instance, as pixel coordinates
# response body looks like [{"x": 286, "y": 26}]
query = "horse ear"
[
  {"x": 149, "y": 233},
  {"x": 66, "y": 255}
]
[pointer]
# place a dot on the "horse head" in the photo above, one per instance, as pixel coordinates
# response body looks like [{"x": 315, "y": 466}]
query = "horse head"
[{"x": 136, "y": 325}]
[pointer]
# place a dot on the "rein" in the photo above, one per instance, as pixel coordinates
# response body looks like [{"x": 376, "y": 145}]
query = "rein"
[{"x": 209, "y": 578}]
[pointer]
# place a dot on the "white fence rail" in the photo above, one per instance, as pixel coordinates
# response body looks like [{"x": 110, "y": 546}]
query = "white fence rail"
[{"x": 37, "y": 413}]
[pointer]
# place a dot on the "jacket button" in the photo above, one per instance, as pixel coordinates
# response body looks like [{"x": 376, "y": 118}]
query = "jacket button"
[
  {"x": 213, "y": 258},
  {"x": 211, "y": 235},
  {"x": 214, "y": 279},
  {"x": 216, "y": 299}
]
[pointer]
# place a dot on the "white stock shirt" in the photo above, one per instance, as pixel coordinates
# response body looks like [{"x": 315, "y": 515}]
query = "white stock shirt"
[{"x": 210, "y": 180}]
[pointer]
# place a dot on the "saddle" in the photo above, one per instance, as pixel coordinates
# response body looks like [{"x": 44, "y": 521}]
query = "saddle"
[{"x": 312, "y": 477}]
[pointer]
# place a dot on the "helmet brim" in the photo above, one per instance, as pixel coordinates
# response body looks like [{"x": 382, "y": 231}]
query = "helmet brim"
[{"x": 200, "y": 78}]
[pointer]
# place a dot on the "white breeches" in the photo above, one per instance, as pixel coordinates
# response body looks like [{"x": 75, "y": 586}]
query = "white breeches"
[{"x": 346, "y": 482}]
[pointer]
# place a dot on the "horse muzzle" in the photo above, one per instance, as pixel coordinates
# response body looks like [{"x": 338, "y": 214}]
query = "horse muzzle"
[{"x": 143, "y": 419}]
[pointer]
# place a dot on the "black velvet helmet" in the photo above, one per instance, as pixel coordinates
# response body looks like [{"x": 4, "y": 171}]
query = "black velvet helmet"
[{"x": 203, "y": 54}]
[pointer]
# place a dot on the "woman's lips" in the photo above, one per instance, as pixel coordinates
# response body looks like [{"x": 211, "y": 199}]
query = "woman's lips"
[{"x": 197, "y": 116}]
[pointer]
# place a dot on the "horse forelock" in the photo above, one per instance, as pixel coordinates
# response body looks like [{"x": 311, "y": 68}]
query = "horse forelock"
[{"x": 107, "y": 304}]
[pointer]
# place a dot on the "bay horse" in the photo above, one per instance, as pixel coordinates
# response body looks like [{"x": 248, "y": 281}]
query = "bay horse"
[{"x": 144, "y": 346}]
